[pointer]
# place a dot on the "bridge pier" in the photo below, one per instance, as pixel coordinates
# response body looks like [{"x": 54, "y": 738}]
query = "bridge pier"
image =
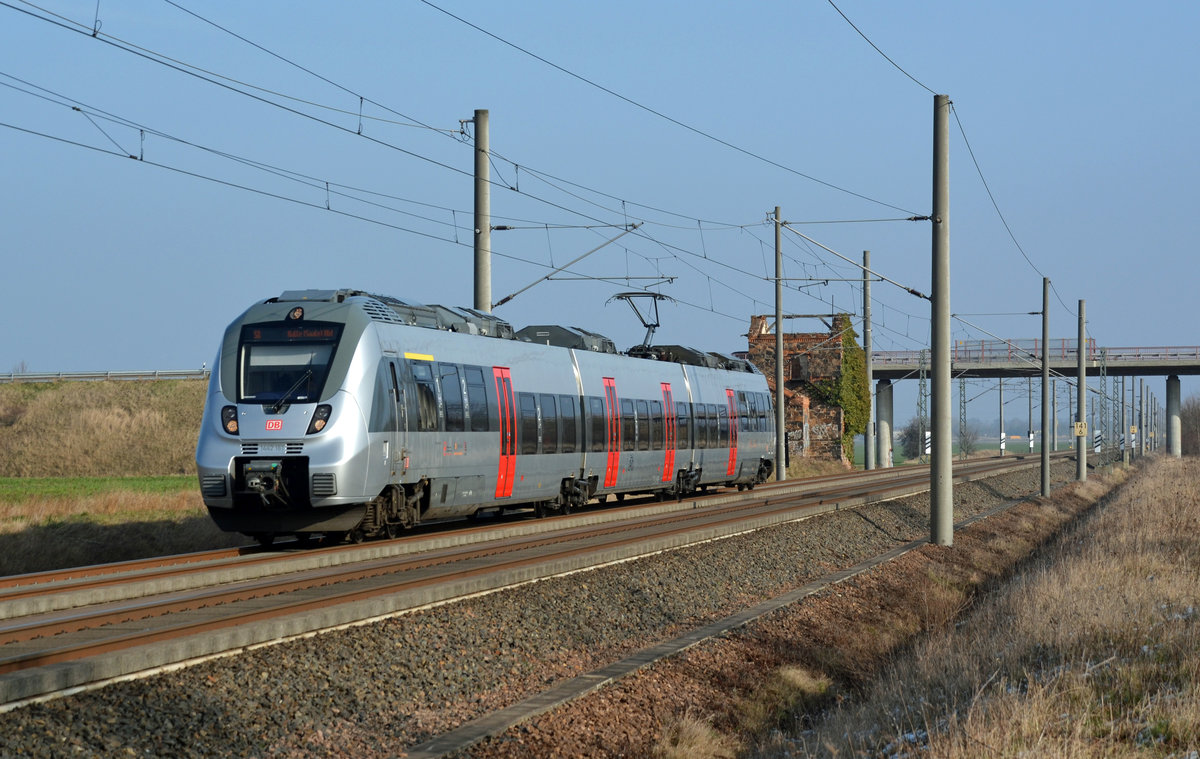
[
  {"x": 883, "y": 425},
  {"x": 1174, "y": 423}
]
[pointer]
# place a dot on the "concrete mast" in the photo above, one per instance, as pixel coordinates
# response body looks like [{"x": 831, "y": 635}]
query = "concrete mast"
[
  {"x": 780, "y": 415},
  {"x": 869, "y": 441},
  {"x": 1174, "y": 421},
  {"x": 1045, "y": 384},
  {"x": 1081, "y": 431},
  {"x": 483, "y": 215},
  {"x": 941, "y": 468}
]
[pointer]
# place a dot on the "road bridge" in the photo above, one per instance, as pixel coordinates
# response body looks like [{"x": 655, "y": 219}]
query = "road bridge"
[
  {"x": 998, "y": 359},
  {"x": 976, "y": 359}
]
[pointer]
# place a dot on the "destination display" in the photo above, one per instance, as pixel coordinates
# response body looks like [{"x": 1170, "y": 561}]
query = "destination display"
[{"x": 287, "y": 333}]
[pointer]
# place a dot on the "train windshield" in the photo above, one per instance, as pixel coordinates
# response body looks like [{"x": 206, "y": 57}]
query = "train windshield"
[{"x": 285, "y": 363}]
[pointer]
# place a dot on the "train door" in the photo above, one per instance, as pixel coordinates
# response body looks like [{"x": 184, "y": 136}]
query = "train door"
[
  {"x": 398, "y": 436},
  {"x": 506, "y": 468},
  {"x": 668, "y": 472},
  {"x": 612, "y": 426},
  {"x": 732, "y": 411}
]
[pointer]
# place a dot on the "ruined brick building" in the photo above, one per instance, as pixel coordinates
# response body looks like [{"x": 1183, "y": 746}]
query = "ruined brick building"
[{"x": 814, "y": 426}]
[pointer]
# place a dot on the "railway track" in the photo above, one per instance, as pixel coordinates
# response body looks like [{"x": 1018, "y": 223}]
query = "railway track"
[{"x": 61, "y": 632}]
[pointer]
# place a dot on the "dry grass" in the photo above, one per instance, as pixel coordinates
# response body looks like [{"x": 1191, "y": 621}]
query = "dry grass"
[
  {"x": 40, "y": 534},
  {"x": 692, "y": 738},
  {"x": 114, "y": 507},
  {"x": 789, "y": 690},
  {"x": 1092, "y": 650},
  {"x": 111, "y": 428},
  {"x": 804, "y": 468},
  {"x": 99, "y": 429}
]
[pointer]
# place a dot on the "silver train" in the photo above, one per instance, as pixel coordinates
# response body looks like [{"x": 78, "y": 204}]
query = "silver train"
[{"x": 352, "y": 415}]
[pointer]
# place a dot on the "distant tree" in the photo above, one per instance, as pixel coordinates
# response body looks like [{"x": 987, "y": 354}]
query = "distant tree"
[
  {"x": 968, "y": 439},
  {"x": 911, "y": 442},
  {"x": 1189, "y": 417}
]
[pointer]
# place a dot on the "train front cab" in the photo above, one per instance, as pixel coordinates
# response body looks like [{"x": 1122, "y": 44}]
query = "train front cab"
[{"x": 282, "y": 444}]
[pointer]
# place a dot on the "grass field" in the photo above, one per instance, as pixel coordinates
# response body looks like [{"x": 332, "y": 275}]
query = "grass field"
[
  {"x": 18, "y": 489},
  {"x": 1091, "y": 650},
  {"x": 99, "y": 429}
]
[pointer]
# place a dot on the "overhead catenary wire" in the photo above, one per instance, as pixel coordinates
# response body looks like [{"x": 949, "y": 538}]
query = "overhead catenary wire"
[
  {"x": 659, "y": 114},
  {"x": 92, "y": 113},
  {"x": 203, "y": 75},
  {"x": 987, "y": 188},
  {"x": 192, "y": 71},
  {"x": 411, "y": 121},
  {"x": 885, "y": 55},
  {"x": 680, "y": 250},
  {"x": 322, "y": 207},
  {"x": 326, "y": 185},
  {"x": 966, "y": 142},
  {"x": 906, "y": 288}
]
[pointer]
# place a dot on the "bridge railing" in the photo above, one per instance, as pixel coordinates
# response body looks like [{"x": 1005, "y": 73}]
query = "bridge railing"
[
  {"x": 1161, "y": 353},
  {"x": 1021, "y": 351},
  {"x": 98, "y": 376}
]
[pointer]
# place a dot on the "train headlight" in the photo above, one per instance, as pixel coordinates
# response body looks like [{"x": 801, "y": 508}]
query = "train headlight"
[
  {"x": 320, "y": 418},
  {"x": 229, "y": 421}
]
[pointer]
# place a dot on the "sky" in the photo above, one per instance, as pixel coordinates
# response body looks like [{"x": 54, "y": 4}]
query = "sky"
[{"x": 167, "y": 163}]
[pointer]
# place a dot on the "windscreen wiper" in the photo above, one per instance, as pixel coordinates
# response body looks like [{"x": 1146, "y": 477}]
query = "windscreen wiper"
[{"x": 279, "y": 404}]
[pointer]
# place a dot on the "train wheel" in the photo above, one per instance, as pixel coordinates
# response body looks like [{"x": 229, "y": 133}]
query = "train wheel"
[{"x": 265, "y": 539}]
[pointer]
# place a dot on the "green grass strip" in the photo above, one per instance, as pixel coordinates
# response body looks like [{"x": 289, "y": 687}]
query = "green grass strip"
[{"x": 17, "y": 489}]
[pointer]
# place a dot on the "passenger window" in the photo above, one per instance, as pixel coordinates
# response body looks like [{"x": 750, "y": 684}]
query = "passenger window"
[
  {"x": 383, "y": 407},
  {"x": 683, "y": 420},
  {"x": 529, "y": 425},
  {"x": 566, "y": 410},
  {"x": 452, "y": 398},
  {"x": 427, "y": 408},
  {"x": 657, "y": 430},
  {"x": 549, "y": 424},
  {"x": 628, "y": 425},
  {"x": 643, "y": 426},
  {"x": 598, "y": 426},
  {"x": 477, "y": 404}
]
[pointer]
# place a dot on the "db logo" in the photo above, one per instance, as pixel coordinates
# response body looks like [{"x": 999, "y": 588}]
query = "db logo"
[{"x": 274, "y": 425}]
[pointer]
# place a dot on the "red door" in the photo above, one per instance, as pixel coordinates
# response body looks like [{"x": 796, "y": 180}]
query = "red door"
[
  {"x": 731, "y": 402},
  {"x": 508, "y": 432},
  {"x": 669, "y": 418},
  {"x": 612, "y": 421}
]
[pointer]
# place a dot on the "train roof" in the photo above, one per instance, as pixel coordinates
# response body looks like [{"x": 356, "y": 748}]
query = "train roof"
[
  {"x": 393, "y": 310},
  {"x": 567, "y": 337},
  {"x": 386, "y": 308}
]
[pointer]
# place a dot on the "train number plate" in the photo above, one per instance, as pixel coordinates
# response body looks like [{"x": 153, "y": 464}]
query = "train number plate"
[{"x": 272, "y": 449}]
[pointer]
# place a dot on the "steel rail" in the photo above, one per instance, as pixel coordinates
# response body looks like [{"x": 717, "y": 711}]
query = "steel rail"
[
  {"x": 35, "y": 583},
  {"x": 581, "y": 541}
]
